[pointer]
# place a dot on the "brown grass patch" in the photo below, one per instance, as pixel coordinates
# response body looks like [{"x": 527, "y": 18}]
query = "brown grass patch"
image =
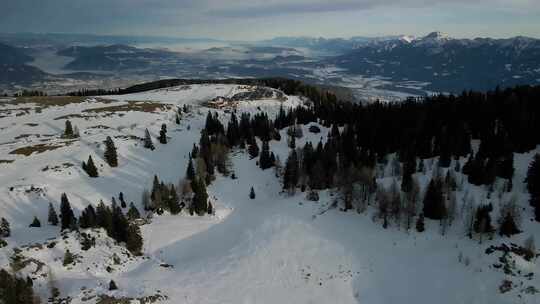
[
  {"x": 39, "y": 148},
  {"x": 138, "y": 106}
]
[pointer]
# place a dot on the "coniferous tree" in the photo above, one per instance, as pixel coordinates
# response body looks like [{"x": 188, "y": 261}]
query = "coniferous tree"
[
  {"x": 177, "y": 119},
  {"x": 434, "y": 207},
  {"x": 291, "y": 175},
  {"x": 52, "y": 216},
  {"x": 252, "y": 193},
  {"x": 68, "y": 258},
  {"x": 163, "y": 134},
  {"x": 110, "y": 152},
  {"x": 88, "y": 218},
  {"x": 409, "y": 168},
  {"x": 134, "y": 241},
  {"x": 119, "y": 224},
  {"x": 194, "y": 152},
  {"x": 90, "y": 168},
  {"x": 210, "y": 208},
  {"x": 148, "y": 144},
  {"x": 35, "y": 223},
  {"x": 253, "y": 148},
  {"x": 133, "y": 212},
  {"x": 233, "y": 132},
  {"x": 5, "y": 230},
  {"x": 200, "y": 198},
  {"x": 68, "y": 131},
  {"x": 66, "y": 214},
  {"x": 190, "y": 172},
  {"x": 104, "y": 218},
  {"x": 112, "y": 285},
  {"x": 16, "y": 290},
  {"x": 122, "y": 201},
  {"x": 265, "y": 159},
  {"x": 533, "y": 185},
  {"x": 173, "y": 201}
]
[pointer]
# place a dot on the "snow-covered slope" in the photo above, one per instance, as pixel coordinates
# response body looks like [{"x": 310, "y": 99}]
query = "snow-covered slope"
[{"x": 273, "y": 249}]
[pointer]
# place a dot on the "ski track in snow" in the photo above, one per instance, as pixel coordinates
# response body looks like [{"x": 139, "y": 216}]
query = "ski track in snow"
[{"x": 268, "y": 250}]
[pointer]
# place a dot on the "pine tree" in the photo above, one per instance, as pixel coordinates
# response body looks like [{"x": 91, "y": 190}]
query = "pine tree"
[
  {"x": 409, "y": 168},
  {"x": 434, "y": 207},
  {"x": 134, "y": 241},
  {"x": 252, "y": 193},
  {"x": 66, "y": 214},
  {"x": 35, "y": 223},
  {"x": 265, "y": 159},
  {"x": 68, "y": 131},
  {"x": 16, "y": 290},
  {"x": 194, "y": 151},
  {"x": 163, "y": 134},
  {"x": 200, "y": 199},
  {"x": 52, "y": 217},
  {"x": 5, "y": 230},
  {"x": 210, "y": 208},
  {"x": 190, "y": 172},
  {"x": 68, "y": 258},
  {"x": 104, "y": 218},
  {"x": 148, "y": 144},
  {"x": 119, "y": 224},
  {"x": 88, "y": 218},
  {"x": 110, "y": 152},
  {"x": 122, "y": 201},
  {"x": 173, "y": 201},
  {"x": 133, "y": 212},
  {"x": 90, "y": 168},
  {"x": 112, "y": 285},
  {"x": 253, "y": 148},
  {"x": 533, "y": 185},
  {"x": 291, "y": 175},
  {"x": 177, "y": 119}
]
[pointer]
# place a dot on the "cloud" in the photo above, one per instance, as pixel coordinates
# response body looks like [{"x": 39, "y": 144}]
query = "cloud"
[{"x": 229, "y": 17}]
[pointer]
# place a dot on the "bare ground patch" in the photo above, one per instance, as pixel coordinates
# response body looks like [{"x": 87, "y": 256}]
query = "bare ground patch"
[
  {"x": 138, "y": 106},
  {"x": 40, "y": 148}
]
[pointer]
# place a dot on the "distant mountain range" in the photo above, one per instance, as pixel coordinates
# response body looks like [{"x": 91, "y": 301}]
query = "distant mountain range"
[
  {"x": 435, "y": 62},
  {"x": 13, "y": 67},
  {"x": 448, "y": 64},
  {"x": 111, "y": 58}
]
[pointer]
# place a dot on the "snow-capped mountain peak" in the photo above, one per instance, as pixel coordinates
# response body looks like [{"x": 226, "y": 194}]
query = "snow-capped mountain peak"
[{"x": 407, "y": 38}]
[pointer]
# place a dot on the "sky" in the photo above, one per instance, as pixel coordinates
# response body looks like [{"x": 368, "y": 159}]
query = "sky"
[{"x": 263, "y": 19}]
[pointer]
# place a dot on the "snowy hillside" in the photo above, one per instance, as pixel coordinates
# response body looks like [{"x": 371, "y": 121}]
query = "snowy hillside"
[{"x": 275, "y": 248}]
